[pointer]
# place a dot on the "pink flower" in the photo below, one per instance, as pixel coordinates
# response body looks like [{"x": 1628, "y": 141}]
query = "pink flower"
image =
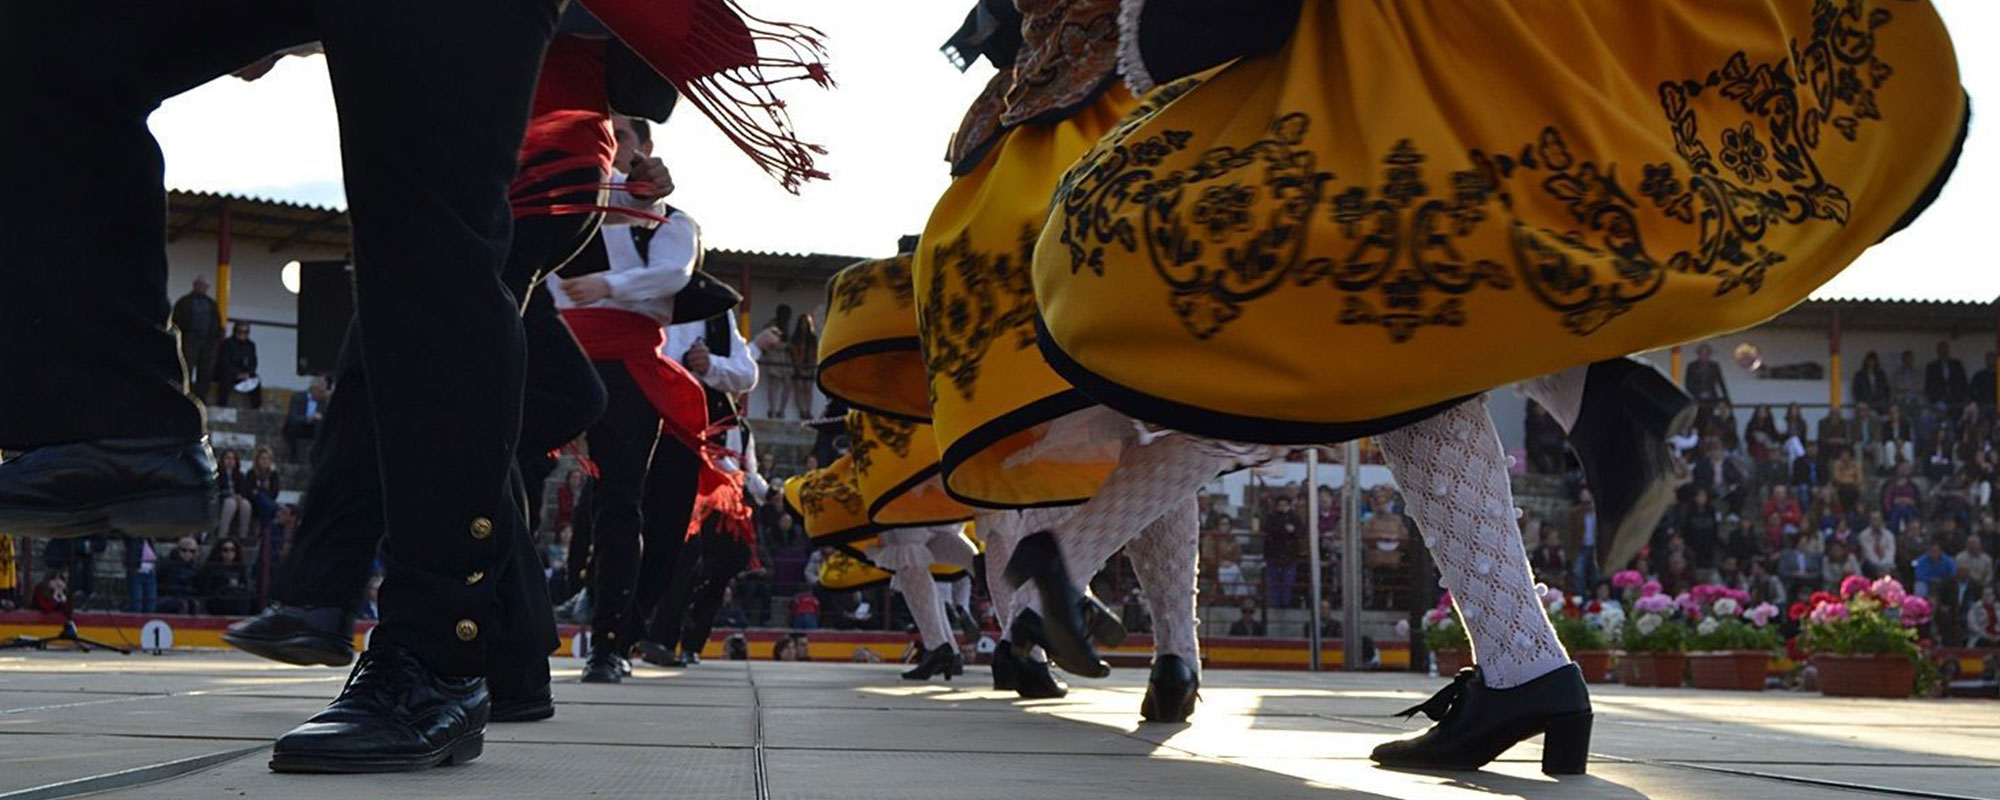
[
  {"x": 1827, "y": 613},
  {"x": 1651, "y": 588},
  {"x": 1654, "y": 604},
  {"x": 1689, "y": 605},
  {"x": 1436, "y": 615},
  {"x": 1854, "y": 585},
  {"x": 1763, "y": 614},
  {"x": 1740, "y": 596},
  {"x": 1628, "y": 579},
  {"x": 1707, "y": 593},
  {"x": 1402, "y": 629},
  {"x": 1444, "y": 600},
  {"x": 1916, "y": 612},
  {"x": 1889, "y": 592}
]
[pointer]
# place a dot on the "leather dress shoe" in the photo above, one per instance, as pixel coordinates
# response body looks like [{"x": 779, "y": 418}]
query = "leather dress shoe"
[
  {"x": 1171, "y": 691},
  {"x": 1628, "y": 412},
  {"x": 603, "y": 667},
  {"x": 1066, "y": 632},
  {"x": 309, "y": 636},
  {"x": 1475, "y": 724},
  {"x": 532, "y": 706},
  {"x": 1035, "y": 681},
  {"x": 146, "y": 488},
  {"x": 1006, "y": 668},
  {"x": 659, "y": 655},
  {"x": 945, "y": 661},
  {"x": 395, "y": 714}
]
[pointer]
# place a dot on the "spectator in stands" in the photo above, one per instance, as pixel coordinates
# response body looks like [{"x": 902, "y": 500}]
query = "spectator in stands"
[
  {"x": 1229, "y": 577},
  {"x": 1719, "y": 423},
  {"x": 180, "y": 579},
  {"x": 1984, "y": 383},
  {"x": 1945, "y": 383},
  {"x": 1738, "y": 537},
  {"x": 1550, "y": 560},
  {"x": 225, "y": 581},
  {"x": 1846, "y": 475},
  {"x": 1284, "y": 531},
  {"x": 1799, "y": 567},
  {"x": 1785, "y": 507},
  {"x": 1720, "y": 476},
  {"x": 1839, "y": 563},
  {"x": 1679, "y": 575},
  {"x": 1871, "y": 387},
  {"x": 1906, "y": 383},
  {"x": 805, "y": 610},
  {"x": 261, "y": 486},
  {"x": 1982, "y": 620},
  {"x": 1247, "y": 624},
  {"x": 1901, "y": 502},
  {"x": 1933, "y": 570},
  {"x": 1975, "y": 566},
  {"x": 1765, "y": 587},
  {"x": 1545, "y": 441},
  {"x": 1797, "y": 432},
  {"x": 1676, "y": 547},
  {"x": 1730, "y": 573},
  {"x": 1937, "y": 456},
  {"x": 1703, "y": 378},
  {"x": 142, "y": 579},
  {"x": 1329, "y": 623},
  {"x": 52, "y": 594},
  {"x": 9, "y": 566},
  {"x": 1808, "y": 471},
  {"x": 1877, "y": 547},
  {"x": 303, "y": 417},
  {"x": 1700, "y": 524},
  {"x": 229, "y": 485},
  {"x": 1951, "y": 498},
  {"x": 1898, "y": 441},
  {"x": 200, "y": 324},
  {"x": 235, "y": 362},
  {"x": 282, "y": 525},
  {"x": 1580, "y": 540}
]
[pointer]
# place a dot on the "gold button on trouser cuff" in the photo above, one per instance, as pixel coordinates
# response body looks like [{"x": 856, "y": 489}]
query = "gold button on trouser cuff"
[
  {"x": 467, "y": 630},
  {"x": 474, "y": 578},
  {"x": 481, "y": 527}
]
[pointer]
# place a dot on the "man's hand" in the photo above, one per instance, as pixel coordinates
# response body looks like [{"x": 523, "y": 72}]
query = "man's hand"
[
  {"x": 769, "y": 338},
  {"x": 587, "y": 289},
  {"x": 649, "y": 179},
  {"x": 696, "y": 359}
]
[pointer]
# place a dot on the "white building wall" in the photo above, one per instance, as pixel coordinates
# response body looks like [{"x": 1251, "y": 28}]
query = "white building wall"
[{"x": 256, "y": 294}]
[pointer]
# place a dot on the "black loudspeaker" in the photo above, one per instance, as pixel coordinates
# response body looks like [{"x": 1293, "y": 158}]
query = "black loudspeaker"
[{"x": 326, "y": 305}]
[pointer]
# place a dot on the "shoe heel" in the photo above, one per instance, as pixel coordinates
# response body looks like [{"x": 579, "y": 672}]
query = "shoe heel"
[
  {"x": 1566, "y": 745},
  {"x": 464, "y": 752}
]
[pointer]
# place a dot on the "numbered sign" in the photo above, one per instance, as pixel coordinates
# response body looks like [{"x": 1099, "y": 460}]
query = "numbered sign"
[{"x": 156, "y": 636}]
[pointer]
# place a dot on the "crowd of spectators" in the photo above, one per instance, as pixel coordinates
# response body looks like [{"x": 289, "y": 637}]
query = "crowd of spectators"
[{"x": 1774, "y": 502}]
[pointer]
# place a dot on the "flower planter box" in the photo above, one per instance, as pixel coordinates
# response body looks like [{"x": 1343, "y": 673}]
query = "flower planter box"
[
  {"x": 1596, "y": 665},
  {"x": 1449, "y": 662},
  {"x": 1735, "y": 670},
  {"x": 1865, "y": 676},
  {"x": 1664, "y": 670}
]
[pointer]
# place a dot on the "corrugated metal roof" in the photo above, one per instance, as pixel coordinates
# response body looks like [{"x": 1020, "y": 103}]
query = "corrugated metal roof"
[{"x": 275, "y": 224}]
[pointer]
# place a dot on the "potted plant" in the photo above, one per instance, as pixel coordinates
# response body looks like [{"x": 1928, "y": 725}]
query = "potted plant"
[
  {"x": 1581, "y": 631},
  {"x": 1863, "y": 643},
  {"x": 1732, "y": 647},
  {"x": 1444, "y": 636},
  {"x": 1654, "y": 640}
]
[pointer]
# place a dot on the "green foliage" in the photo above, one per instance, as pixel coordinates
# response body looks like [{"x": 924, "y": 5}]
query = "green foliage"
[
  {"x": 1667, "y": 634},
  {"x": 1735, "y": 634},
  {"x": 1446, "y": 634},
  {"x": 1863, "y": 631},
  {"x": 1578, "y": 635}
]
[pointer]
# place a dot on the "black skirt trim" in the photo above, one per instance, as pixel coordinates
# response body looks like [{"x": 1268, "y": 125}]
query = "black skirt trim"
[
  {"x": 837, "y": 538},
  {"x": 1044, "y": 410},
  {"x": 925, "y": 474},
  {"x": 1944, "y": 173},
  {"x": 863, "y": 350},
  {"x": 1215, "y": 424}
]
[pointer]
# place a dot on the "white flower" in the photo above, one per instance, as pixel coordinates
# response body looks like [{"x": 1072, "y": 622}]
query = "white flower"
[
  {"x": 1649, "y": 623},
  {"x": 1709, "y": 625},
  {"x": 1728, "y": 607}
]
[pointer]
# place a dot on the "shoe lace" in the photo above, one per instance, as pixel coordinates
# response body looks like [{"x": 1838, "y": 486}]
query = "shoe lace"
[
  {"x": 1446, "y": 701},
  {"x": 381, "y": 679}
]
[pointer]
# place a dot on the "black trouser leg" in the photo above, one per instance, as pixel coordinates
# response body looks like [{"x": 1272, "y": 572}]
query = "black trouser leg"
[
  {"x": 582, "y": 534},
  {"x": 670, "y": 624},
  {"x": 671, "y": 482},
  {"x": 722, "y": 558},
  {"x": 622, "y": 444},
  {"x": 84, "y": 338}
]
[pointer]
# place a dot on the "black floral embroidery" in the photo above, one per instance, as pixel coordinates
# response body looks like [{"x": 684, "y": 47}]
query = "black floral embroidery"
[
  {"x": 851, "y": 287},
  {"x": 826, "y": 488},
  {"x": 972, "y": 301},
  {"x": 869, "y": 433},
  {"x": 1398, "y": 263}
]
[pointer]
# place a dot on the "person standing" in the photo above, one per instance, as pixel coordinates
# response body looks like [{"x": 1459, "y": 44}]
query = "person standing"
[
  {"x": 199, "y": 322},
  {"x": 1906, "y": 384},
  {"x": 142, "y": 579},
  {"x": 236, "y": 362},
  {"x": 1703, "y": 378},
  {"x": 1284, "y": 540},
  {"x": 1945, "y": 384},
  {"x": 1985, "y": 383}
]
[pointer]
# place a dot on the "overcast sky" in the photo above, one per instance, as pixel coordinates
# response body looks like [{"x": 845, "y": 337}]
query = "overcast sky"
[{"x": 887, "y": 126}]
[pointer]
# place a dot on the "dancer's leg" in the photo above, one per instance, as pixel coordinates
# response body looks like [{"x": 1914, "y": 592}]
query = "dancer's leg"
[
  {"x": 1164, "y": 559},
  {"x": 622, "y": 444},
  {"x": 1151, "y": 478},
  {"x": 1454, "y": 479},
  {"x": 907, "y": 552},
  {"x": 999, "y": 530}
]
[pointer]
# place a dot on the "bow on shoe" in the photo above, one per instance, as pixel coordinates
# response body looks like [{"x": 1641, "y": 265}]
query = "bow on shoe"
[{"x": 1446, "y": 700}]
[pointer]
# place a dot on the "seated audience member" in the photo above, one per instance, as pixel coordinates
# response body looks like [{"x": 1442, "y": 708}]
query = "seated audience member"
[
  {"x": 1720, "y": 475},
  {"x": 52, "y": 594},
  {"x": 260, "y": 484},
  {"x": 1679, "y": 575},
  {"x": 1545, "y": 441},
  {"x": 1982, "y": 621},
  {"x": 1551, "y": 564},
  {"x": 1847, "y": 478},
  {"x": 234, "y": 495},
  {"x": 1975, "y": 566},
  {"x": 1247, "y": 624},
  {"x": 1839, "y": 564},
  {"x": 302, "y": 419},
  {"x": 235, "y": 362},
  {"x": 1765, "y": 587},
  {"x": 1878, "y": 547},
  {"x": 1785, "y": 507},
  {"x": 225, "y": 581},
  {"x": 805, "y": 611},
  {"x": 180, "y": 579},
  {"x": 1901, "y": 501},
  {"x": 1730, "y": 574},
  {"x": 1799, "y": 567},
  {"x": 1933, "y": 570}
]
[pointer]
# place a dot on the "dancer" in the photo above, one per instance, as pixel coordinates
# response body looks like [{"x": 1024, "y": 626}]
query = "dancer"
[
  {"x": 1478, "y": 231},
  {"x": 896, "y": 469}
]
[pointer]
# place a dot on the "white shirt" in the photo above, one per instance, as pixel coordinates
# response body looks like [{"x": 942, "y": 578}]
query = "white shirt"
[
  {"x": 733, "y": 375},
  {"x": 645, "y": 285}
]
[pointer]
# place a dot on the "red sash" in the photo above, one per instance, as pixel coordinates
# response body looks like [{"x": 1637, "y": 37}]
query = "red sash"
[{"x": 612, "y": 335}]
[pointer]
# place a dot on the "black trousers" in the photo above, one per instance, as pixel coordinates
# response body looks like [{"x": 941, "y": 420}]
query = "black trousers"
[
  {"x": 671, "y": 482},
  {"x": 433, "y": 98},
  {"x": 686, "y": 614},
  {"x": 621, "y": 443},
  {"x": 330, "y": 560}
]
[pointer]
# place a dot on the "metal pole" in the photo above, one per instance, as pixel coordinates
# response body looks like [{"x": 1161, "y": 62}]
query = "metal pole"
[
  {"x": 1312, "y": 547},
  {"x": 222, "y": 279},
  {"x": 1350, "y": 560}
]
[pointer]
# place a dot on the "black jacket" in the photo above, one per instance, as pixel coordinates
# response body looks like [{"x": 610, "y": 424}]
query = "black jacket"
[
  {"x": 1944, "y": 382},
  {"x": 235, "y": 356}
]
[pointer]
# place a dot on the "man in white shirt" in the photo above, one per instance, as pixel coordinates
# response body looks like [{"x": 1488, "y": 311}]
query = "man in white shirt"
[{"x": 1878, "y": 547}]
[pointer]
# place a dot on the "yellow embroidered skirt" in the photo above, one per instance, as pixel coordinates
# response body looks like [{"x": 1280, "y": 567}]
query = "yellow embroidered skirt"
[
  {"x": 992, "y": 394},
  {"x": 896, "y": 464},
  {"x": 828, "y": 500},
  {"x": 868, "y": 354},
  {"x": 1414, "y": 202}
]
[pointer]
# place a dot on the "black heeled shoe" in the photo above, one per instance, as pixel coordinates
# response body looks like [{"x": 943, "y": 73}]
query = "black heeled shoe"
[
  {"x": 945, "y": 661},
  {"x": 1033, "y": 680},
  {"x": 659, "y": 655},
  {"x": 1171, "y": 692},
  {"x": 603, "y": 667},
  {"x": 1067, "y": 632},
  {"x": 1006, "y": 668},
  {"x": 1476, "y": 724},
  {"x": 1628, "y": 412}
]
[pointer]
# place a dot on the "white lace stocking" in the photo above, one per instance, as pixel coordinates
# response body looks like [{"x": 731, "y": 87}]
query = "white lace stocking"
[
  {"x": 1164, "y": 559},
  {"x": 1453, "y": 474}
]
